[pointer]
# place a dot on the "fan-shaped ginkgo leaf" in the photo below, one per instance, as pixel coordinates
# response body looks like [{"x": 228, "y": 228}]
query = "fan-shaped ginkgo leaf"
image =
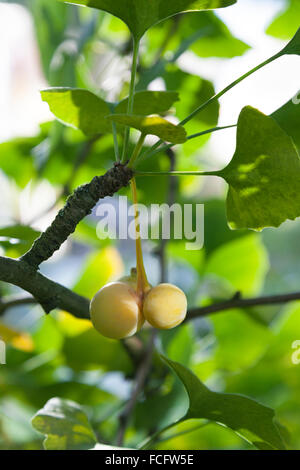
[
  {"x": 140, "y": 15},
  {"x": 78, "y": 108},
  {"x": 263, "y": 175}
]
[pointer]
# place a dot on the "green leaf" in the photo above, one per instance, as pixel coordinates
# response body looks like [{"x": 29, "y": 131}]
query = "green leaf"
[
  {"x": 246, "y": 417},
  {"x": 275, "y": 376},
  {"x": 263, "y": 175},
  {"x": 250, "y": 337},
  {"x": 90, "y": 351},
  {"x": 50, "y": 21},
  {"x": 286, "y": 22},
  {"x": 22, "y": 232},
  {"x": 19, "y": 165},
  {"x": 91, "y": 279},
  {"x": 205, "y": 34},
  {"x": 192, "y": 88},
  {"x": 164, "y": 408},
  {"x": 179, "y": 343},
  {"x": 288, "y": 117},
  {"x": 47, "y": 336},
  {"x": 78, "y": 108},
  {"x": 218, "y": 42},
  {"x": 84, "y": 110},
  {"x": 154, "y": 126},
  {"x": 293, "y": 47},
  {"x": 18, "y": 237},
  {"x": 242, "y": 262},
  {"x": 65, "y": 426},
  {"x": 140, "y": 15},
  {"x": 149, "y": 102},
  {"x": 216, "y": 231}
]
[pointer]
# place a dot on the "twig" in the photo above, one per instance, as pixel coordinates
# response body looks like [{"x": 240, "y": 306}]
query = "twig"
[
  {"x": 134, "y": 348},
  {"x": 241, "y": 303},
  {"x": 10, "y": 302},
  {"x": 141, "y": 376}
]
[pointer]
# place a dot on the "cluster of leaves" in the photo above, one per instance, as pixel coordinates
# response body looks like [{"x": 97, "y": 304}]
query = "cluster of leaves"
[
  {"x": 247, "y": 351},
  {"x": 66, "y": 426},
  {"x": 264, "y": 173}
]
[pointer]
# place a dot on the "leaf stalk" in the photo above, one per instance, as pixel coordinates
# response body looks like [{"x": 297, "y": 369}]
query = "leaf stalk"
[{"x": 136, "y": 47}]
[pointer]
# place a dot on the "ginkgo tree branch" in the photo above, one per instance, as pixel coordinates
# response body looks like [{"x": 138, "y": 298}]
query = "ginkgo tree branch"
[
  {"x": 238, "y": 302},
  {"x": 46, "y": 292},
  {"x": 52, "y": 295},
  {"x": 78, "y": 205}
]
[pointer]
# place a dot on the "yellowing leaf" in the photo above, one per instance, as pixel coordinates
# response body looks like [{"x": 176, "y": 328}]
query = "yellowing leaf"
[
  {"x": 17, "y": 338},
  {"x": 72, "y": 326},
  {"x": 100, "y": 269},
  {"x": 149, "y": 102}
]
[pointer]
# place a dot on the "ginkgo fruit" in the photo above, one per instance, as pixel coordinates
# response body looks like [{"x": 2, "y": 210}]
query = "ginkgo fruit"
[
  {"x": 132, "y": 281},
  {"x": 115, "y": 311},
  {"x": 165, "y": 306}
]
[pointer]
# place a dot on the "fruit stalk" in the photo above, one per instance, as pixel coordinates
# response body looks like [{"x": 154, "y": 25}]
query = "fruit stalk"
[{"x": 142, "y": 281}]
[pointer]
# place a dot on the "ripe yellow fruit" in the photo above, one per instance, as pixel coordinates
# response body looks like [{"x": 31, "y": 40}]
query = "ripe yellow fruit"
[
  {"x": 115, "y": 311},
  {"x": 165, "y": 306},
  {"x": 132, "y": 281}
]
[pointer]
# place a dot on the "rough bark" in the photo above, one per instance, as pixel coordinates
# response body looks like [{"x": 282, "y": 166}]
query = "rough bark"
[
  {"x": 48, "y": 293},
  {"x": 78, "y": 205}
]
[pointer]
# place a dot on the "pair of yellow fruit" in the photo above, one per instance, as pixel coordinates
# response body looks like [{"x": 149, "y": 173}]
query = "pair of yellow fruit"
[{"x": 117, "y": 311}]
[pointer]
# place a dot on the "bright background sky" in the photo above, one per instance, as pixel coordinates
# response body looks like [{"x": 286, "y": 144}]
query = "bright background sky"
[{"x": 21, "y": 109}]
